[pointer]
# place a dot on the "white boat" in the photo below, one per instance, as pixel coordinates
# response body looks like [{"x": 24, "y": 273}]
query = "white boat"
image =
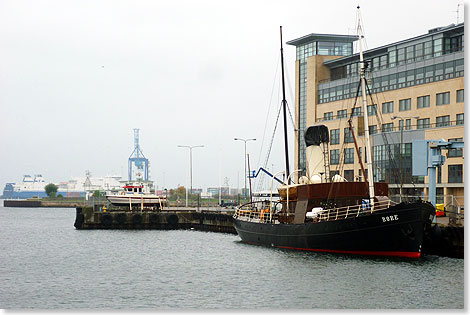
[{"x": 137, "y": 195}]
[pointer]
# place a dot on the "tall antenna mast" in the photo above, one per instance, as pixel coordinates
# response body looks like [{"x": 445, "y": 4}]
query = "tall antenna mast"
[
  {"x": 284, "y": 106},
  {"x": 370, "y": 172},
  {"x": 458, "y": 7}
]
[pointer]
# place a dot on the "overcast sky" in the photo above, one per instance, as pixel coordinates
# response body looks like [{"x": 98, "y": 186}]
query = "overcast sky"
[{"x": 77, "y": 76}]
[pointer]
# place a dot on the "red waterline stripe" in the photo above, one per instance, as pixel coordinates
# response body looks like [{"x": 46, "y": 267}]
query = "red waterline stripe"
[
  {"x": 375, "y": 253},
  {"x": 360, "y": 252}
]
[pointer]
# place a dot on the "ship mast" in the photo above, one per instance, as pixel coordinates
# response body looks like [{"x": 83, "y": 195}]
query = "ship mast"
[
  {"x": 284, "y": 106},
  {"x": 370, "y": 172}
]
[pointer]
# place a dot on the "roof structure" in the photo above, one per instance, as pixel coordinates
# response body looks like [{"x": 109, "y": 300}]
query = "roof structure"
[{"x": 323, "y": 37}]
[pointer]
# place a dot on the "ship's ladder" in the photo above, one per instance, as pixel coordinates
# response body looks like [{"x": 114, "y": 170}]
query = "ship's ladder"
[{"x": 326, "y": 159}]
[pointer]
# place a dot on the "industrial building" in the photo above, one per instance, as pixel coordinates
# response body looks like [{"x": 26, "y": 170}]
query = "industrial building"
[{"x": 416, "y": 89}]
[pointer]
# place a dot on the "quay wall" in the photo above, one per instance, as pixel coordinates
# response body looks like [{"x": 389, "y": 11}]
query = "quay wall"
[
  {"x": 214, "y": 221},
  {"x": 28, "y": 203}
]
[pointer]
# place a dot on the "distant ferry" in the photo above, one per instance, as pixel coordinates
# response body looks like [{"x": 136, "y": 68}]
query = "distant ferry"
[
  {"x": 34, "y": 186},
  {"x": 30, "y": 187}
]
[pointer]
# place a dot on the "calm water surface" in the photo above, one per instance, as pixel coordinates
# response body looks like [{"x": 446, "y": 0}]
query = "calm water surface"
[{"x": 46, "y": 263}]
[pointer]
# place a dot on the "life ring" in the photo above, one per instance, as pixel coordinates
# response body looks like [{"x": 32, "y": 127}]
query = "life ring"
[
  {"x": 106, "y": 220},
  {"x": 172, "y": 219},
  {"x": 120, "y": 218},
  {"x": 154, "y": 218},
  {"x": 137, "y": 219},
  {"x": 123, "y": 192}
]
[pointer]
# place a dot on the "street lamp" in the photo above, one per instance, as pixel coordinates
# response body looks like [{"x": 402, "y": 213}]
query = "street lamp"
[
  {"x": 401, "y": 144},
  {"x": 190, "y": 165},
  {"x": 244, "y": 140}
]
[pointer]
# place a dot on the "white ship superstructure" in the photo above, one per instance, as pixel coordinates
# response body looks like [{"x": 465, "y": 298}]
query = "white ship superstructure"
[{"x": 34, "y": 186}]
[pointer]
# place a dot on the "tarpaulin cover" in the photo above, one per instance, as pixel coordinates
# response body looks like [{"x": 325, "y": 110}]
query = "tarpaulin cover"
[{"x": 316, "y": 135}]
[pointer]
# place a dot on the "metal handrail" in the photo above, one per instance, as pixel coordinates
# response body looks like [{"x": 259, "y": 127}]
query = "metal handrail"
[
  {"x": 250, "y": 212},
  {"x": 357, "y": 210},
  {"x": 263, "y": 213}
]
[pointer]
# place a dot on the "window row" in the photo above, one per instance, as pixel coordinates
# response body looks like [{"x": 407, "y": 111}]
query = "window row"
[
  {"x": 432, "y": 73},
  {"x": 323, "y": 48},
  {"x": 404, "y": 55},
  {"x": 403, "y": 105},
  {"x": 403, "y": 124}
]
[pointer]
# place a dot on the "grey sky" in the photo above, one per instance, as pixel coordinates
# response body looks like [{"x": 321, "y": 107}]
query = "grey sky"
[{"x": 77, "y": 76}]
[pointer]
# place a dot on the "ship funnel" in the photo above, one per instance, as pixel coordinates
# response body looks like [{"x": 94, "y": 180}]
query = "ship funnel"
[{"x": 315, "y": 138}]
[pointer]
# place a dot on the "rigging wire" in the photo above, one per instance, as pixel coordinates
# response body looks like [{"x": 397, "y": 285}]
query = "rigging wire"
[
  {"x": 269, "y": 110},
  {"x": 291, "y": 97}
]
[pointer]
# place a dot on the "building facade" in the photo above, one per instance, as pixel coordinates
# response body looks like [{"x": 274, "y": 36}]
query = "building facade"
[{"x": 415, "y": 91}]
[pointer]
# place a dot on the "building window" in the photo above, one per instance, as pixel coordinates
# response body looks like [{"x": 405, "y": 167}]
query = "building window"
[
  {"x": 392, "y": 58},
  {"x": 419, "y": 52},
  {"x": 349, "y": 175},
  {"x": 348, "y": 137},
  {"x": 405, "y": 105},
  {"x": 401, "y": 124},
  {"x": 328, "y": 116},
  {"x": 459, "y": 68},
  {"x": 401, "y": 56},
  {"x": 392, "y": 81},
  {"x": 455, "y": 152},
  {"x": 375, "y": 64},
  {"x": 439, "y": 72},
  {"x": 356, "y": 111},
  {"x": 443, "y": 98},
  {"x": 401, "y": 79},
  {"x": 410, "y": 54},
  {"x": 383, "y": 62},
  {"x": 442, "y": 121},
  {"x": 428, "y": 49},
  {"x": 455, "y": 173},
  {"x": 387, "y": 107},
  {"x": 341, "y": 113},
  {"x": 410, "y": 77},
  {"x": 437, "y": 46},
  {"x": 387, "y": 127},
  {"x": 334, "y": 157},
  {"x": 349, "y": 156},
  {"x": 429, "y": 74},
  {"x": 371, "y": 110},
  {"x": 408, "y": 124},
  {"x": 420, "y": 76},
  {"x": 373, "y": 129},
  {"x": 334, "y": 136},
  {"x": 460, "y": 96},
  {"x": 449, "y": 70},
  {"x": 459, "y": 119},
  {"x": 424, "y": 101},
  {"x": 423, "y": 123}
]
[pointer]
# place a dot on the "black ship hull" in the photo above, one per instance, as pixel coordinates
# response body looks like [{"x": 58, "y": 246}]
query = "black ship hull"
[{"x": 397, "y": 231}]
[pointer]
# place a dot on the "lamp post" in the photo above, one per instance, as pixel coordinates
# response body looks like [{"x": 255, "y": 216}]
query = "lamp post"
[
  {"x": 401, "y": 144},
  {"x": 190, "y": 165},
  {"x": 244, "y": 140}
]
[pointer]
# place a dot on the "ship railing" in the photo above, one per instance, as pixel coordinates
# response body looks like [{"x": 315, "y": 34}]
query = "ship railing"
[
  {"x": 258, "y": 211},
  {"x": 353, "y": 211}
]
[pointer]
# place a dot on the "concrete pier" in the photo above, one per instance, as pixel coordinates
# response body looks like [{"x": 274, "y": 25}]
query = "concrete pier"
[{"x": 204, "y": 220}]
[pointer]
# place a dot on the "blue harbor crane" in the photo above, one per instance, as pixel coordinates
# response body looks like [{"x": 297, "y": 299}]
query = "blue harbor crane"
[
  {"x": 138, "y": 159},
  {"x": 427, "y": 158}
]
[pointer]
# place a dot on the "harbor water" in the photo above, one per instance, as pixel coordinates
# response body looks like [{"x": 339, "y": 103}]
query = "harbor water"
[{"x": 47, "y": 264}]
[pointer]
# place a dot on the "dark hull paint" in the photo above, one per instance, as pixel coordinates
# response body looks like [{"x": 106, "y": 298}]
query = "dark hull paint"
[{"x": 367, "y": 235}]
